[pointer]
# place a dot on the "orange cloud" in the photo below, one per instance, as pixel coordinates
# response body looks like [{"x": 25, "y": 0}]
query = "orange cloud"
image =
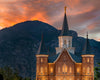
[{"x": 15, "y": 11}]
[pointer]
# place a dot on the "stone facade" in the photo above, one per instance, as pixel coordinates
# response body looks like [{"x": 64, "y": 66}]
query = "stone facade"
[{"x": 65, "y": 68}]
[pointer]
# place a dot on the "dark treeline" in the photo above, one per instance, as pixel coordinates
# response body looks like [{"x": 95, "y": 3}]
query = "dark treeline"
[
  {"x": 97, "y": 72},
  {"x": 7, "y": 73}
]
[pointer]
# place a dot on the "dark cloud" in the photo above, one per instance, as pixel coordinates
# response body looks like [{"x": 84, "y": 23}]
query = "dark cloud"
[{"x": 83, "y": 15}]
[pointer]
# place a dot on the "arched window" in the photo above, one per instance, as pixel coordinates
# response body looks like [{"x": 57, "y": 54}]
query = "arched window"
[
  {"x": 87, "y": 59},
  {"x": 88, "y": 70},
  {"x": 70, "y": 70},
  {"x": 51, "y": 70},
  {"x": 65, "y": 42},
  {"x": 41, "y": 70},
  {"x": 41, "y": 59},
  {"x": 70, "y": 79},
  {"x": 46, "y": 69},
  {"x": 64, "y": 68},
  {"x": 58, "y": 69},
  {"x": 84, "y": 70},
  {"x": 64, "y": 78},
  {"x": 78, "y": 70}
]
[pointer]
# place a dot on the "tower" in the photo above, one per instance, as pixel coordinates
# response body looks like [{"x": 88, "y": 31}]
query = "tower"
[
  {"x": 65, "y": 40},
  {"x": 42, "y": 62},
  {"x": 87, "y": 62}
]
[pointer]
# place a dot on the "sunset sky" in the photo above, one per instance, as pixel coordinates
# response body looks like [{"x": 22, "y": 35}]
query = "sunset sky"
[{"x": 83, "y": 15}]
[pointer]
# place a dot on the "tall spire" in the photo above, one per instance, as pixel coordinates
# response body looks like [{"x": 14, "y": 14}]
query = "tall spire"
[
  {"x": 65, "y": 9},
  {"x": 65, "y": 29},
  {"x": 87, "y": 47},
  {"x": 42, "y": 49}
]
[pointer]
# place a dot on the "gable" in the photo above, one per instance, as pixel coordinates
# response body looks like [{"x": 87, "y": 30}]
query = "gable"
[
  {"x": 64, "y": 56},
  {"x": 52, "y": 59}
]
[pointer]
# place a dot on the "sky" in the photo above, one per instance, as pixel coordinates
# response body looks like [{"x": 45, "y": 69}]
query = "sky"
[{"x": 82, "y": 15}]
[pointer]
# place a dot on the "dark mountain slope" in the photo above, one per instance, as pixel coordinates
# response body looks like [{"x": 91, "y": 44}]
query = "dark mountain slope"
[{"x": 19, "y": 44}]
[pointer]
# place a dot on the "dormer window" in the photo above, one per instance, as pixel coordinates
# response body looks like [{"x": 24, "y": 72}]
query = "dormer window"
[{"x": 65, "y": 42}]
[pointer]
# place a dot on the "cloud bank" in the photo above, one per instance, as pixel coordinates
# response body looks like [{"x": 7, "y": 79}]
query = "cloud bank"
[{"x": 83, "y": 15}]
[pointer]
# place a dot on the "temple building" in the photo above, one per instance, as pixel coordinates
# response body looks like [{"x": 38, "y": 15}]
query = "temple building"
[{"x": 65, "y": 65}]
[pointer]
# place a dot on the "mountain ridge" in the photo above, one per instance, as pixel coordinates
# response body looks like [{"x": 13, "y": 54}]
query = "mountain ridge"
[{"x": 19, "y": 44}]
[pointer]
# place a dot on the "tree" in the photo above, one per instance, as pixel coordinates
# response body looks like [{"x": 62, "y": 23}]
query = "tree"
[
  {"x": 97, "y": 72},
  {"x": 11, "y": 74}
]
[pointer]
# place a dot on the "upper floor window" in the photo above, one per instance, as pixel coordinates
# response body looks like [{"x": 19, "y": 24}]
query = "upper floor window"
[
  {"x": 87, "y": 59},
  {"x": 65, "y": 42},
  {"x": 58, "y": 69},
  {"x": 88, "y": 70},
  {"x": 41, "y": 70},
  {"x": 46, "y": 69},
  {"x": 41, "y": 59},
  {"x": 84, "y": 70}
]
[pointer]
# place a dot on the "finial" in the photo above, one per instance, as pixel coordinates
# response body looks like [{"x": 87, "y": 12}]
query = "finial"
[
  {"x": 65, "y": 9},
  {"x": 87, "y": 35}
]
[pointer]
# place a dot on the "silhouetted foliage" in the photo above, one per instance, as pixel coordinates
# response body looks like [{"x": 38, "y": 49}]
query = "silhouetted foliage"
[
  {"x": 97, "y": 72},
  {"x": 10, "y": 74}
]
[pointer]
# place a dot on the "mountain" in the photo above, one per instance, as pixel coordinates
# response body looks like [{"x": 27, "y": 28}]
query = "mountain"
[{"x": 19, "y": 44}]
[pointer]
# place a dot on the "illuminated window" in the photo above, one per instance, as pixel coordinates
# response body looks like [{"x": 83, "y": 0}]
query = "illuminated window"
[
  {"x": 59, "y": 78},
  {"x": 78, "y": 70},
  {"x": 64, "y": 68},
  {"x": 51, "y": 70},
  {"x": 84, "y": 70},
  {"x": 41, "y": 59},
  {"x": 88, "y": 70},
  {"x": 45, "y": 69},
  {"x": 59, "y": 69},
  {"x": 70, "y": 69},
  {"x": 70, "y": 79},
  {"x": 42, "y": 70},
  {"x": 83, "y": 59},
  {"x": 87, "y": 59},
  {"x": 64, "y": 78}
]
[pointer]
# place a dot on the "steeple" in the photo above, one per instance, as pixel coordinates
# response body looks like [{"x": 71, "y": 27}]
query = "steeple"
[
  {"x": 42, "y": 49},
  {"x": 65, "y": 29},
  {"x": 87, "y": 47}
]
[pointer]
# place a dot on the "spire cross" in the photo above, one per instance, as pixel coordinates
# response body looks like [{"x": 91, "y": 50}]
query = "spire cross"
[{"x": 65, "y": 8}]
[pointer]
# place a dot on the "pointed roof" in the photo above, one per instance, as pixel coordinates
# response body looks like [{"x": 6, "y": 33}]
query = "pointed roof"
[
  {"x": 65, "y": 29},
  {"x": 42, "y": 49},
  {"x": 52, "y": 59},
  {"x": 87, "y": 47}
]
